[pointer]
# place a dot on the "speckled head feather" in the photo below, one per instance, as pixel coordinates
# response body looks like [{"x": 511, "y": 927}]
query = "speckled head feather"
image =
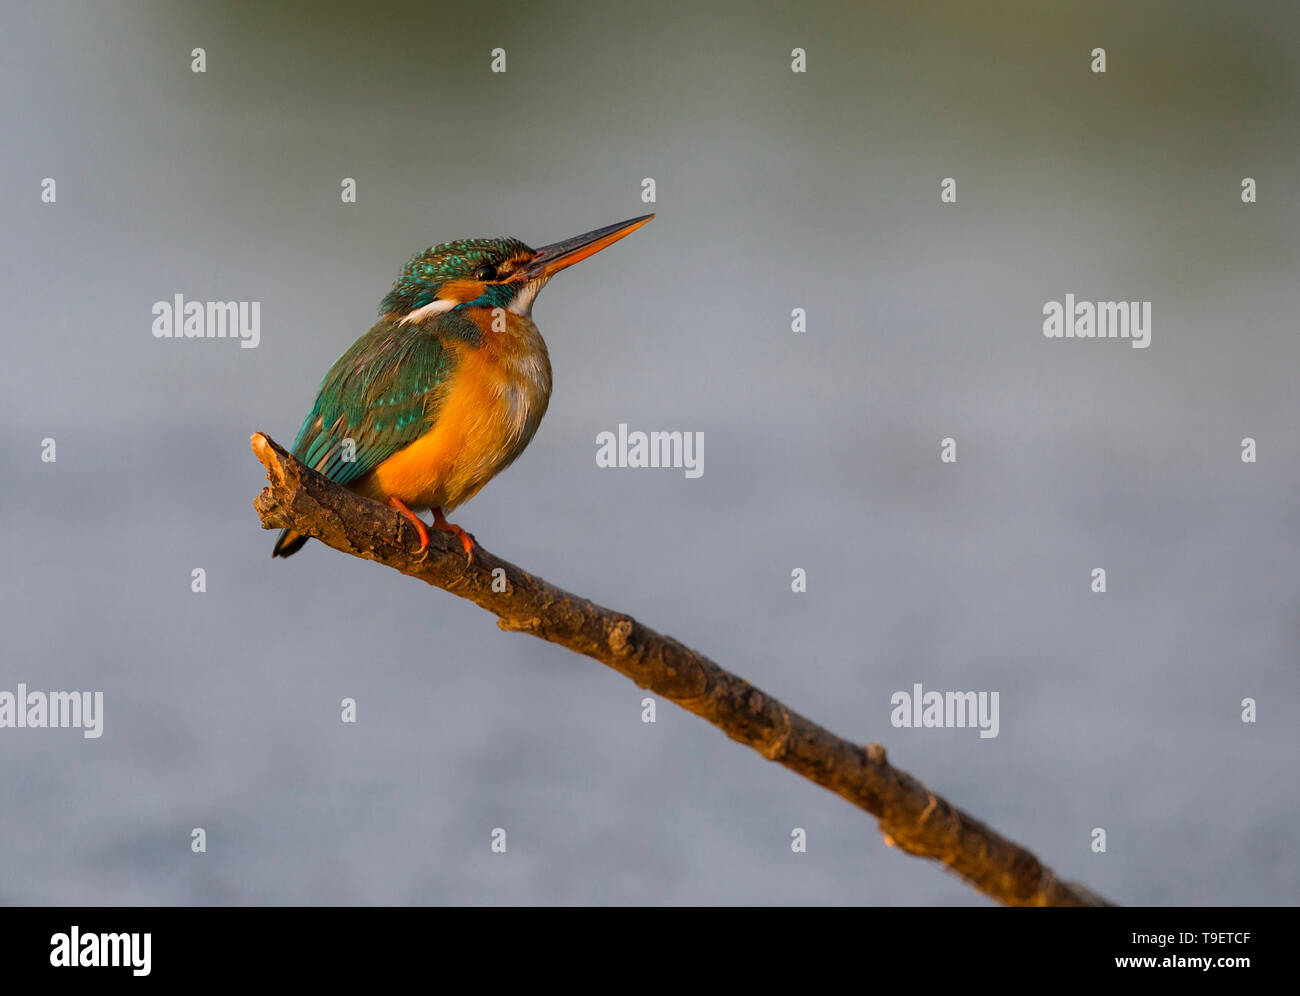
[{"x": 455, "y": 263}]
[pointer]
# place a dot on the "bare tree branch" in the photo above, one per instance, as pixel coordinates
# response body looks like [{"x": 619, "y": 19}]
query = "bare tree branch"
[{"x": 910, "y": 815}]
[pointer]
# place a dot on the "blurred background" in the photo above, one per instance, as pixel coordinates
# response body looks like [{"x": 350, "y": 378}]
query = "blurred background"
[{"x": 775, "y": 190}]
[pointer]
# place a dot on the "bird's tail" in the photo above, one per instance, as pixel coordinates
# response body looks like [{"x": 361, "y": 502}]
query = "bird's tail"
[{"x": 289, "y": 543}]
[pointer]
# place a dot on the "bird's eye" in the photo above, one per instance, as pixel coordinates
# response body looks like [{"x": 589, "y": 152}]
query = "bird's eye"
[{"x": 485, "y": 272}]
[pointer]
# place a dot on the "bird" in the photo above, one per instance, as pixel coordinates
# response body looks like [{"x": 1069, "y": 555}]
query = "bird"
[{"x": 448, "y": 387}]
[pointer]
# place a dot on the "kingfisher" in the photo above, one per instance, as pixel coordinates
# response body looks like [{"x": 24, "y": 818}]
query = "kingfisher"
[{"x": 448, "y": 387}]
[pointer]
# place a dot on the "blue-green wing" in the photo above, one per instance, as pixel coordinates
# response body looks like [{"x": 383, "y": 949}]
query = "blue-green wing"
[{"x": 381, "y": 394}]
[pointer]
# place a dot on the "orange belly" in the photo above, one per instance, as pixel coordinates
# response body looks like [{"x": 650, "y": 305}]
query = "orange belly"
[{"x": 485, "y": 418}]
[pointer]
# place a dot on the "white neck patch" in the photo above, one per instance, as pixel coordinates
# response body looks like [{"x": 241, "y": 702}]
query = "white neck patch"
[
  {"x": 428, "y": 311},
  {"x": 523, "y": 301}
]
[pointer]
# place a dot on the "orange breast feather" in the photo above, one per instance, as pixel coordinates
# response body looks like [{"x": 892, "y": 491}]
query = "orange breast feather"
[{"x": 471, "y": 439}]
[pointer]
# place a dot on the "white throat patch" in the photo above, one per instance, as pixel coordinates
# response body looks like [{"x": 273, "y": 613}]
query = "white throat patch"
[{"x": 523, "y": 301}]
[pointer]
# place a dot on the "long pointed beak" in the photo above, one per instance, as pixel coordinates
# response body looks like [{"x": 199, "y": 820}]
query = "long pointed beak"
[{"x": 550, "y": 260}]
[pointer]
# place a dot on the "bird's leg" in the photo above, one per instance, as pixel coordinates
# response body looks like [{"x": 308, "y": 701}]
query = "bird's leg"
[
  {"x": 414, "y": 520},
  {"x": 466, "y": 540}
]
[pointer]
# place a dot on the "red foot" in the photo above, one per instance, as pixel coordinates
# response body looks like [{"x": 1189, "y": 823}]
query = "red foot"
[
  {"x": 466, "y": 540},
  {"x": 414, "y": 520}
]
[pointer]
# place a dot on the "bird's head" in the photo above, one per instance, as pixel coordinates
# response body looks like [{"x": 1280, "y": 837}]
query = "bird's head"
[{"x": 489, "y": 273}]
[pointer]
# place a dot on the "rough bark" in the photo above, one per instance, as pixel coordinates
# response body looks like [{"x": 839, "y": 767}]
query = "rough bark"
[{"x": 910, "y": 816}]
